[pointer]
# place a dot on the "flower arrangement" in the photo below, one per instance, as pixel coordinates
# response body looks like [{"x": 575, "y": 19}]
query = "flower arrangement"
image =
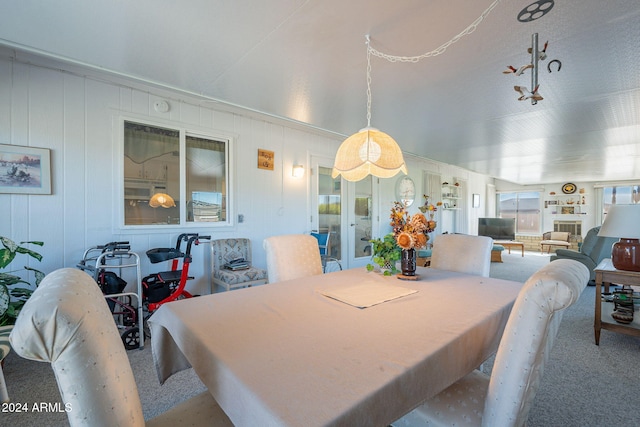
[{"x": 411, "y": 232}]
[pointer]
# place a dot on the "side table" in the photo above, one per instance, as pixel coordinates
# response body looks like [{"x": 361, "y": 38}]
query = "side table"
[{"x": 606, "y": 274}]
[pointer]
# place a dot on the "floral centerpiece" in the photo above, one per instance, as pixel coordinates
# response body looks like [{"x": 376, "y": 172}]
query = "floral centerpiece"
[{"x": 412, "y": 231}]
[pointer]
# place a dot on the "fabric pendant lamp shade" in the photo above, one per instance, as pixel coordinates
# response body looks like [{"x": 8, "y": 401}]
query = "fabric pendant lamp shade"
[
  {"x": 161, "y": 200},
  {"x": 623, "y": 221},
  {"x": 368, "y": 152}
]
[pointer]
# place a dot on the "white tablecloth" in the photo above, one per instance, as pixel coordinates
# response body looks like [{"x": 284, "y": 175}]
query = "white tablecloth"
[{"x": 285, "y": 354}]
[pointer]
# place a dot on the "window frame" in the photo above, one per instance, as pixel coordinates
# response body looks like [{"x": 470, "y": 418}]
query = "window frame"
[
  {"x": 540, "y": 210},
  {"x": 600, "y": 193},
  {"x": 183, "y": 129}
]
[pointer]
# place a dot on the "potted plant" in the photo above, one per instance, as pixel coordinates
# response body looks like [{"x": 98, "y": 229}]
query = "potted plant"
[
  {"x": 12, "y": 295},
  {"x": 384, "y": 254}
]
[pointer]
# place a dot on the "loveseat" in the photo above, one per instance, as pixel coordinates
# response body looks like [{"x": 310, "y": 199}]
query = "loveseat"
[{"x": 593, "y": 250}]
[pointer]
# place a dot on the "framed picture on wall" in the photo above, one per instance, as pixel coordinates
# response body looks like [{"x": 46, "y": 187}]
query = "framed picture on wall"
[
  {"x": 567, "y": 210},
  {"x": 476, "y": 201},
  {"x": 25, "y": 170}
]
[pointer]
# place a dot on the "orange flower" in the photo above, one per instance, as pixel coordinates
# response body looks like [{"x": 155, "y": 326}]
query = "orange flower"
[
  {"x": 421, "y": 240},
  {"x": 418, "y": 222},
  {"x": 404, "y": 240}
]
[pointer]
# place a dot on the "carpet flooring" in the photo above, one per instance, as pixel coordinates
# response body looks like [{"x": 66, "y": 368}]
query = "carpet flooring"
[{"x": 584, "y": 385}]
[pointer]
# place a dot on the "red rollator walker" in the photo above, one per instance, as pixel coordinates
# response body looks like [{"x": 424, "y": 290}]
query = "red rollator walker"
[{"x": 166, "y": 286}]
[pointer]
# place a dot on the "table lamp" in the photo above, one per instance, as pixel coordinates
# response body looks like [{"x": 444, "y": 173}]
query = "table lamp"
[{"x": 623, "y": 221}]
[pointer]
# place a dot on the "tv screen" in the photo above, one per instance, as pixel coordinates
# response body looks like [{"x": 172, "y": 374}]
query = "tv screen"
[{"x": 497, "y": 228}]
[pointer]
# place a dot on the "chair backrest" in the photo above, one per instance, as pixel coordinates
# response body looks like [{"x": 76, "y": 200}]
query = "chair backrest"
[
  {"x": 561, "y": 236},
  {"x": 528, "y": 338},
  {"x": 225, "y": 250},
  {"x": 596, "y": 247},
  {"x": 462, "y": 253},
  {"x": 292, "y": 256},
  {"x": 67, "y": 322},
  {"x": 323, "y": 242}
]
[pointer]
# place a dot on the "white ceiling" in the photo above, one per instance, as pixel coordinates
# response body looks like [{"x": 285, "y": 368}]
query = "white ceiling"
[{"x": 305, "y": 60}]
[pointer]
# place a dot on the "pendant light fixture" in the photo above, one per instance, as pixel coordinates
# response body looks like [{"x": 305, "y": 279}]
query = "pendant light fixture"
[
  {"x": 370, "y": 151},
  {"x": 162, "y": 200}
]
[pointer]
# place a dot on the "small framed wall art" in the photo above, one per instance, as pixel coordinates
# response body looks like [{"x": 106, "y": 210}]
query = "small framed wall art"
[
  {"x": 265, "y": 159},
  {"x": 476, "y": 200},
  {"x": 25, "y": 170}
]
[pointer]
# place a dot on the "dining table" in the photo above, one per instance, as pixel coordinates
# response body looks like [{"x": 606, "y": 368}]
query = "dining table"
[{"x": 348, "y": 348}]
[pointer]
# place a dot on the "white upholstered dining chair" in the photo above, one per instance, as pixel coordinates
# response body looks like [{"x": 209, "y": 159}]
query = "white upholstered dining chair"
[
  {"x": 68, "y": 323},
  {"x": 292, "y": 256},
  {"x": 505, "y": 398},
  {"x": 462, "y": 253}
]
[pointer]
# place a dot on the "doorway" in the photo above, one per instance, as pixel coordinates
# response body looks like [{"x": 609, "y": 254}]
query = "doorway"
[{"x": 347, "y": 209}]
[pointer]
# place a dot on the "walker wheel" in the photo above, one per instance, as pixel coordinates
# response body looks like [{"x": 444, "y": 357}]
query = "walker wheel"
[{"x": 131, "y": 338}]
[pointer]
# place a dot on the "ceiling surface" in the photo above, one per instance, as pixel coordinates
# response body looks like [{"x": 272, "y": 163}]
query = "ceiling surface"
[{"x": 306, "y": 60}]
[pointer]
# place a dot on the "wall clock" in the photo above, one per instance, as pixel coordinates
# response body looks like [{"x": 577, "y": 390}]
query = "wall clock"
[
  {"x": 406, "y": 190},
  {"x": 569, "y": 188}
]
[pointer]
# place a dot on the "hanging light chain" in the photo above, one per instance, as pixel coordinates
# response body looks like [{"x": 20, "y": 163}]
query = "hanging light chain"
[
  {"x": 470, "y": 29},
  {"x": 368, "y": 83}
]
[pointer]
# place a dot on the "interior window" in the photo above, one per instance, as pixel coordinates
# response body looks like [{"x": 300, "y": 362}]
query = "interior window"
[
  {"x": 153, "y": 192},
  {"x": 206, "y": 180}
]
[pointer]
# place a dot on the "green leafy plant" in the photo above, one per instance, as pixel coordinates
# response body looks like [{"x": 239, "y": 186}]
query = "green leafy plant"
[
  {"x": 13, "y": 293},
  {"x": 385, "y": 252}
]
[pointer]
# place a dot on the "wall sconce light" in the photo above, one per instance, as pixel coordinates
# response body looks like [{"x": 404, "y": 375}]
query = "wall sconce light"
[{"x": 298, "y": 171}]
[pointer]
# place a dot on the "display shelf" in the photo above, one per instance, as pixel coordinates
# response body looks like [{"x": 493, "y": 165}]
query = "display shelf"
[
  {"x": 450, "y": 196},
  {"x": 566, "y": 204},
  {"x": 565, "y": 200}
]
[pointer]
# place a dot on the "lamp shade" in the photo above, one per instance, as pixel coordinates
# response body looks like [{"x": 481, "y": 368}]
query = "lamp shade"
[
  {"x": 161, "y": 199},
  {"x": 623, "y": 221},
  {"x": 368, "y": 152}
]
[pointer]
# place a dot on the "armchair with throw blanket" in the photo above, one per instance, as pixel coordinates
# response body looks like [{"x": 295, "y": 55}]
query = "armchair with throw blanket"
[{"x": 593, "y": 250}]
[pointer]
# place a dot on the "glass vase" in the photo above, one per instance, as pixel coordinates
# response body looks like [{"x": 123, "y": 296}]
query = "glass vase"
[{"x": 408, "y": 262}]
